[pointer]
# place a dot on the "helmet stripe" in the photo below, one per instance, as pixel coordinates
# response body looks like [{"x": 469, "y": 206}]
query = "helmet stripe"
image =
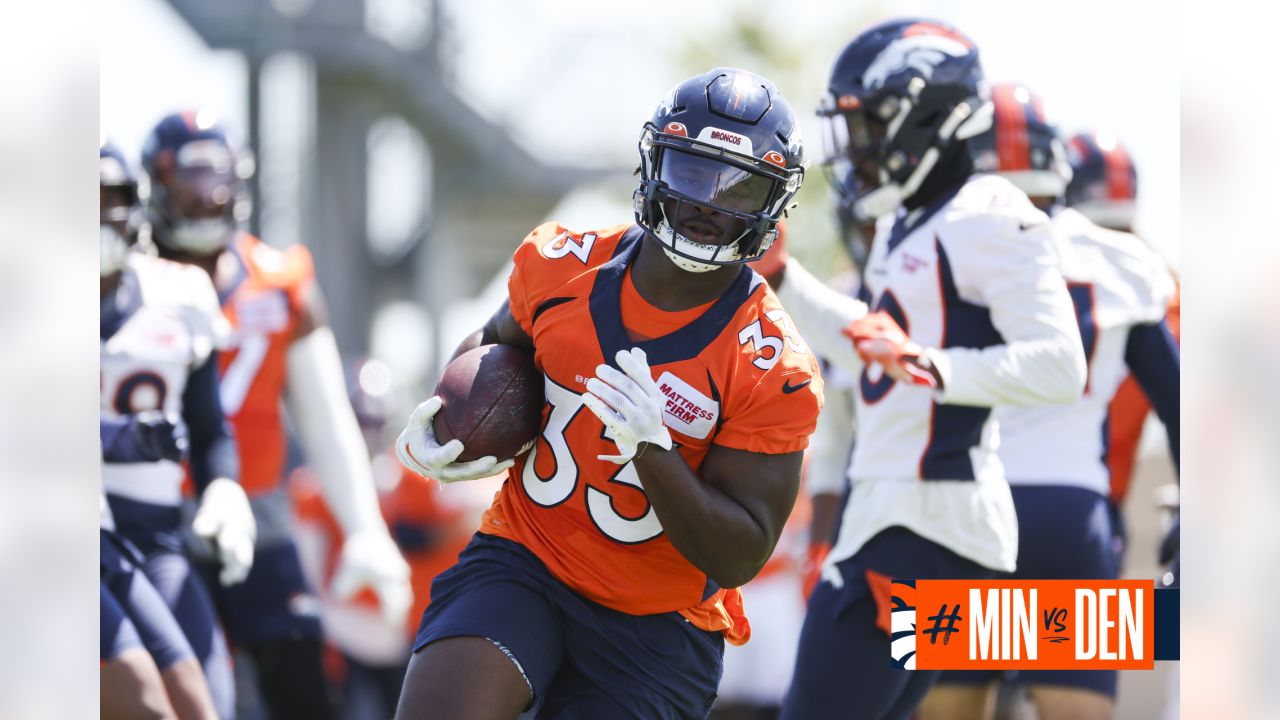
[
  {"x": 1119, "y": 174},
  {"x": 1012, "y": 147}
]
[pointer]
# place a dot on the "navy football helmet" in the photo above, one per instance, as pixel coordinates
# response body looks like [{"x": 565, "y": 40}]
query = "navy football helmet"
[
  {"x": 899, "y": 95},
  {"x": 197, "y": 189},
  {"x": 720, "y": 163},
  {"x": 119, "y": 209},
  {"x": 1022, "y": 144},
  {"x": 1104, "y": 184}
]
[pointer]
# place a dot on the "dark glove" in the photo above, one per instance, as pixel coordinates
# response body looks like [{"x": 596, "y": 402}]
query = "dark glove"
[{"x": 147, "y": 436}]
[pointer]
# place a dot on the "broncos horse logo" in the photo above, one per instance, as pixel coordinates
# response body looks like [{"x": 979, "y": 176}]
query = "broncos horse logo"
[{"x": 922, "y": 53}]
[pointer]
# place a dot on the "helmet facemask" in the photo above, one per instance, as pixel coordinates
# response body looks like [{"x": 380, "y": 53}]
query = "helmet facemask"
[
  {"x": 888, "y": 145},
  {"x": 708, "y": 206},
  {"x": 193, "y": 205}
]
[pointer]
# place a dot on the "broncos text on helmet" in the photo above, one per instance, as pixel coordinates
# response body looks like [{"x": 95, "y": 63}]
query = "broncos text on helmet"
[
  {"x": 720, "y": 162},
  {"x": 197, "y": 192},
  {"x": 900, "y": 94},
  {"x": 1023, "y": 145},
  {"x": 1104, "y": 184}
]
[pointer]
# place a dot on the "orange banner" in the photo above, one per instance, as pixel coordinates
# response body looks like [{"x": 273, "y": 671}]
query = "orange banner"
[{"x": 1023, "y": 624}]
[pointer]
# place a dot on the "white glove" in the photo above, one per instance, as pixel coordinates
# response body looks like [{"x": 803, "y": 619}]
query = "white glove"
[
  {"x": 419, "y": 451},
  {"x": 371, "y": 558},
  {"x": 629, "y": 404},
  {"x": 226, "y": 522}
]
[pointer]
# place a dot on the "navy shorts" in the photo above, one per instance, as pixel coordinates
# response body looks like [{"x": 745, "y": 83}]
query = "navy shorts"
[
  {"x": 188, "y": 598},
  {"x": 1064, "y": 533},
  {"x": 145, "y": 610},
  {"x": 274, "y": 603},
  {"x": 844, "y": 661},
  {"x": 582, "y": 660},
  {"x": 116, "y": 632}
]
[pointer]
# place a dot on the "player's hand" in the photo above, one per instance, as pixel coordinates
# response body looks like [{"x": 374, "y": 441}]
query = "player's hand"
[
  {"x": 226, "y": 522},
  {"x": 419, "y": 450},
  {"x": 147, "y": 436},
  {"x": 772, "y": 264},
  {"x": 629, "y": 404},
  {"x": 813, "y": 562},
  {"x": 371, "y": 559},
  {"x": 878, "y": 339}
]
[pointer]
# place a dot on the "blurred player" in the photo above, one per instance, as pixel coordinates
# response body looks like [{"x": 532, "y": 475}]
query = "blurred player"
[
  {"x": 280, "y": 342},
  {"x": 678, "y": 403},
  {"x": 1056, "y": 456},
  {"x": 970, "y": 312},
  {"x": 1104, "y": 181},
  {"x": 430, "y": 532},
  {"x": 159, "y": 329},
  {"x": 1104, "y": 188},
  {"x": 827, "y": 479}
]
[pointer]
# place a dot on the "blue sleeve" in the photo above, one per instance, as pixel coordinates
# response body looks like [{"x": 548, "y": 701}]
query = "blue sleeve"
[
  {"x": 1154, "y": 360},
  {"x": 213, "y": 450},
  {"x": 117, "y": 440}
]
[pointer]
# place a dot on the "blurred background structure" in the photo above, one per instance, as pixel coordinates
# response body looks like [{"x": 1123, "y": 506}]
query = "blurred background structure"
[{"x": 411, "y": 144}]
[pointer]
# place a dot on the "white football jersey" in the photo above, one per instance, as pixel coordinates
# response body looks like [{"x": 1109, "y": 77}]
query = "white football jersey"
[
  {"x": 974, "y": 277},
  {"x": 1116, "y": 281},
  {"x": 177, "y": 324}
]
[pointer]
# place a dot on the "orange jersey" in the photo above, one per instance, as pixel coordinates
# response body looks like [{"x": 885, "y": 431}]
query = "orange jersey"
[
  {"x": 1126, "y": 416},
  {"x": 735, "y": 374},
  {"x": 264, "y": 306}
]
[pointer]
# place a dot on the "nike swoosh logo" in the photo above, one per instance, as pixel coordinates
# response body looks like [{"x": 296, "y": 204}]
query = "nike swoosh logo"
[{"x": 788, "y": 388}]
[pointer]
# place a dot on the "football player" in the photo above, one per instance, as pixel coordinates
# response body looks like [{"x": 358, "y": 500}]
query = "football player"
[
  {"x": 1055, "y": 456},
  {"x": 281, "y": 347},
  {"x": 1104, "y": 188},
  {"x": 679, "y": 400},
  {"x": 160, "y": 326},
  {"x": 967, "y": 311}
]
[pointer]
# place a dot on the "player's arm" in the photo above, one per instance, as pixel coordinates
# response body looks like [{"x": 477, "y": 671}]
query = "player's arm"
[
  {"x": 500, "y": 328},
  {"x": 820, "y": 313},
  {"x": 213, "y": 453},
  {"x": 336, "y": 452},
  {"x": 1154, "y": 359},
  {"x": 148, "y": 436},
  {"x": 728, "y": 521},
  {"x": 1014, "y": 272},
  {"x": 223, "y": 518}
]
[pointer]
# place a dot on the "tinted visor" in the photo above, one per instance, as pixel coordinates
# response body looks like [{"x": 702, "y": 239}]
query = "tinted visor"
[
  {"x": 852, "y": 141},
  {"x": 204, "y": 182},
  {"x": 714, "y": 183}
]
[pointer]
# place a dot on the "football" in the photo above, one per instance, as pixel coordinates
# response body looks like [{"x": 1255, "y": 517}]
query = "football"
[{"x": 491, "y": 400}]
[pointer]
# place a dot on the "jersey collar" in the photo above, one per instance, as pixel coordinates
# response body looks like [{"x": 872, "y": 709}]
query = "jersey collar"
[{"x": 683, "y": 344}]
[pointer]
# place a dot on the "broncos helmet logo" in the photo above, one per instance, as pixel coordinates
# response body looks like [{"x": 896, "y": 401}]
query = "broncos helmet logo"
[
  {"x": 921, "y": 53},
  {"x": 902, "y": 623}
]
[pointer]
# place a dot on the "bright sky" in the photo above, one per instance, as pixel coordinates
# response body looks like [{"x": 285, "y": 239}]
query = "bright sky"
[{"x": 577, "y": 78}]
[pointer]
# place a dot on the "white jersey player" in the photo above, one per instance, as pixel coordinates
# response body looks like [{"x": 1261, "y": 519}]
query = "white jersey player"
[
  {"x": 1056, "y": 457},
  {"x": 1118, "y": 284},
  {"x": 967, "y": 311},
  {"x": 159, "y": 329}
]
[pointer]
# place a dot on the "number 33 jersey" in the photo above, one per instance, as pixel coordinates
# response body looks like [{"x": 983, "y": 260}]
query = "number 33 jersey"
[{"x": 735, "y": 374}]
